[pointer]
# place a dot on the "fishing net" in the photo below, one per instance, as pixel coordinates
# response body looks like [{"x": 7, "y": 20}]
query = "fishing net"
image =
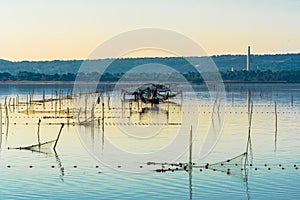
[
  {"x": 42, "y": 146},
  {"x": 45, "y": 147},
  {"x": 235, "y": 166}
]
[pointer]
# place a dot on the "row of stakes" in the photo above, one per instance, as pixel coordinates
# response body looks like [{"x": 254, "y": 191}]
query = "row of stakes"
[
  {"x": 107, "y": 124},
  {"x": 185, "y": 167},
  {"x": 70, "y": 117}
]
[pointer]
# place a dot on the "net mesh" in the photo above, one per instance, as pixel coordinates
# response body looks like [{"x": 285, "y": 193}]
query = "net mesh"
[
  {"x": 45, "y": 147},
  {"x": 236, "y": 166}
]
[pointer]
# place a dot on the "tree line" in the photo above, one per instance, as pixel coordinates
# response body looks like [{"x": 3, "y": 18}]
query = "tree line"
[{"x": 195, "y": 77}]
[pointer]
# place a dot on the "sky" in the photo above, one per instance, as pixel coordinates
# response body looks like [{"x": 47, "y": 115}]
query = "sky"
[{"x": 72, "y": 29}]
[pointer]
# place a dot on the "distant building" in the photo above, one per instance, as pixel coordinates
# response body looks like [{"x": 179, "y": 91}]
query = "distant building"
[{"x": 248, "y": 59}]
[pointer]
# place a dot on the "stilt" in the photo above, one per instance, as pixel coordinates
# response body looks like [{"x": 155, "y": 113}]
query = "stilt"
[
  {"x": 62, "y": 125},
  {"x": 191, "y": 148},
  {"x": 190, "y": 164},
  {"x": 68, "y": 116},
  {"x": 276, "y": 125},
  {"x": 38, "y": 133}
]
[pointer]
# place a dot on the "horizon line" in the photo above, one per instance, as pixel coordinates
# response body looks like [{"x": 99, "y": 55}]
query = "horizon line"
[{"x": 215, "y": 55}]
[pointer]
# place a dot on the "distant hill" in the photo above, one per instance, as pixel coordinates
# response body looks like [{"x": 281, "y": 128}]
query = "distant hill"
[{"x": 280, "y": 62}]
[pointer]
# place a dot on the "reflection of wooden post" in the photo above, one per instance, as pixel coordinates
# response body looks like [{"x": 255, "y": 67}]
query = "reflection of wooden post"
[
  {"x": 168, "y": 113},
  {"x": 93, "y": 112},
  {"x": 292, "y": 101},
  {"x": 79, "y": 116},
  {"x": 190, "y": 163}
]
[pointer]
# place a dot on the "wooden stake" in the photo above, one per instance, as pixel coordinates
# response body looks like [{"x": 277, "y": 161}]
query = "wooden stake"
[
  {"x": 276, "y": 119},
  {"x": 102, "y": 111},
  {"x": 0, "y": 124},
  {"x": 62, "y": 125},
  {"x": 68, "y": 115},
  {"x": 38, "y": 133},
  {"x": 191, "y": 148}
]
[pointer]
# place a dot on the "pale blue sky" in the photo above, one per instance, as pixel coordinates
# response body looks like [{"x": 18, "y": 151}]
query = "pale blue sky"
[{"x": 66, "y": 29}]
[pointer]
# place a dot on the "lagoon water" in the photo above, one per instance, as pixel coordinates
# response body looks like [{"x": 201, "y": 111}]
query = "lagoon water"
[{"x": 74, "y": 172}]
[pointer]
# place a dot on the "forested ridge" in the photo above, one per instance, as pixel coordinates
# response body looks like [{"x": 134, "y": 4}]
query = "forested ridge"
[
  {"x": 195, "y": 77},
  {"x": 280, "y": 62}
]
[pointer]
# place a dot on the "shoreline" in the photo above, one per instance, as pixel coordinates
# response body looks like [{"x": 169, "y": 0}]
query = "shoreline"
[{"x": 114, "y": 82}]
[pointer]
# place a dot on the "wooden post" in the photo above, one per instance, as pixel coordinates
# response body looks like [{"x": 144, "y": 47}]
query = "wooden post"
[
  {"x": 102, "y": 111},
  {"x": 51, "y": 99},
  {"x": 38, "y": 133},
  {"x": 249, "y": 126},
  {"x": 275, "y": 116},
  {"x": 62, "y": 125},
  {"x": 276, "y": 119},
  {"x": 191, "y": 148},
  {"x": 13, "y": 104},
  {"x": 7, "y": 117},
  {"x": 27, "y": 103},
  {"x": 17, "y": 102},
  {"x": 68, "y": 116},
  {"x": 55, "y": 108},
  {"x": 85, "y": 107},
  {"x": 130, "y": 108},
  {"x": 44, "y": 99},
  {"x": 0, "y": 125}
]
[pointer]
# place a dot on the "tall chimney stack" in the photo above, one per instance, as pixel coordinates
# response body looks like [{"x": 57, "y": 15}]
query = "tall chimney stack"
[{"x": 248, "y": 59}]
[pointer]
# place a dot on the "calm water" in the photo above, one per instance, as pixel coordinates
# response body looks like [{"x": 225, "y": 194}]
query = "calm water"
[{"x": 72, "y": 172}]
